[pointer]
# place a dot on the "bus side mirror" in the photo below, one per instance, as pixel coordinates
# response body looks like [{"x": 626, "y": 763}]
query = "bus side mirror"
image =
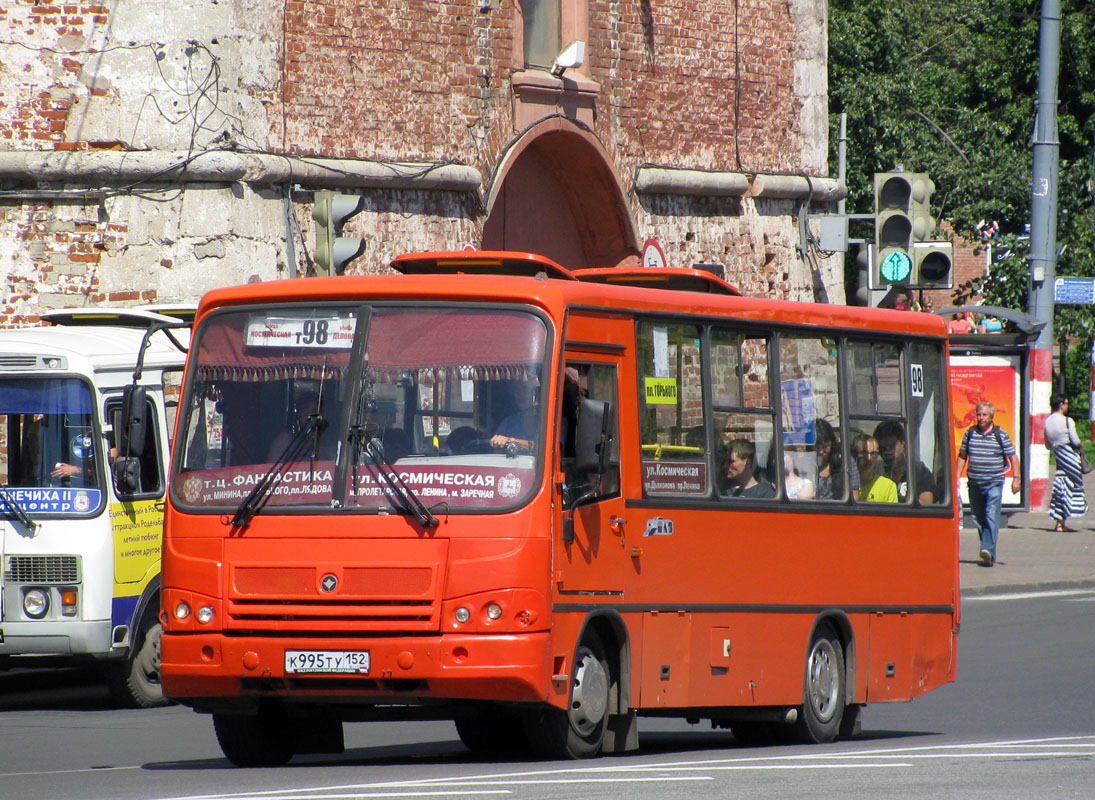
[
  {"x": 130, "y": 430},
  {"x": 133, "y": 427},
  {"x": 592, "y": 442},
  {"x": 127, "y": 475}
]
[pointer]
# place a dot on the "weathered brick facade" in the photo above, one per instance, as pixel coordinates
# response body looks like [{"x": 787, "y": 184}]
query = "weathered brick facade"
[{"x": 152, "y": 152}]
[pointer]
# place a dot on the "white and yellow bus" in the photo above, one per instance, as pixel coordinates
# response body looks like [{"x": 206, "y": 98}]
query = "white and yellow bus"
[{"x": 79, "y": 532}]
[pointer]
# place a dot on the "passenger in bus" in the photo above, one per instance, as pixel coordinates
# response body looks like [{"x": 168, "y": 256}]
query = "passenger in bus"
[
  {"x": 874, "y": 487},
  {"x": 739, "y": 467},
  {"x": 519, "y": 428},
  {"x": 830, "y": 469},
  {"x": 798, "y": 487},
  {"x": 891, "y": 446}
]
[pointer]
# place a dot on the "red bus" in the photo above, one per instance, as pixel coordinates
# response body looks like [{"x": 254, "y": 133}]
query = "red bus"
[{"x": 544, "y": 503}]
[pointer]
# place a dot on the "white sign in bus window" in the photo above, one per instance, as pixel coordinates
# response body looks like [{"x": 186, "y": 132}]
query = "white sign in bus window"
[
  {"x": 916, "y": 379},
  {"x": 660, "y": 335},
  {"x": 312, "y": 332}
]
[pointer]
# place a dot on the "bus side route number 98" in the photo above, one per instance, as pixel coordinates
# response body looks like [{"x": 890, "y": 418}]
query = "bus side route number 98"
[{"x": 349, "y": 662}]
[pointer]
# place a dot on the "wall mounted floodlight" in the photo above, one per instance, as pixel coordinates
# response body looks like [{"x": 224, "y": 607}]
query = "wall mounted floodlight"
[{"x": 571, "y": 57}]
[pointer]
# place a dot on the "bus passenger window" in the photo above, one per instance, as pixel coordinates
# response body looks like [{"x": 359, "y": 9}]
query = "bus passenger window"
[
  {"x": 928, "y": 420},
  {"x": 747, "y": 462},
  {"x": 673, "y": 435},
  {"x": 809, "y": 397}
]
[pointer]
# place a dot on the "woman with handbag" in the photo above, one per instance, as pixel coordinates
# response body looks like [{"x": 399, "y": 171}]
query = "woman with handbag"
[{"x": 1068, "y": 498}]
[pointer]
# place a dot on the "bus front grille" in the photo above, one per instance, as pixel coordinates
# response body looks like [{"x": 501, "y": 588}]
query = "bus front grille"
[
  {"x": 375, "y": 598},
  {"x": 41, "y": 569},
  {"x": 317, "y": 615}
]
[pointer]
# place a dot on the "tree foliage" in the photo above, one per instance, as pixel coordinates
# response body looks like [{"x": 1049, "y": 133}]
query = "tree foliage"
[{"x": 950, "y": 87}]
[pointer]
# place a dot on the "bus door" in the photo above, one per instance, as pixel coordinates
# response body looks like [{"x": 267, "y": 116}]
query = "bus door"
[{"x": 592, "y": 560}]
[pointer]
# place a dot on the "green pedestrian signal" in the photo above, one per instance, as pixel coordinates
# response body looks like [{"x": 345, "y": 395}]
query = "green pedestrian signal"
[{"x": 896, "y": 267}]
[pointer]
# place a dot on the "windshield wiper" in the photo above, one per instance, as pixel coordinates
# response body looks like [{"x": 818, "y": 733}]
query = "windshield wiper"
[
  {"x": 408, "y": 499},
  {"x": 255, "y": 499},
  {"x": 18, "y": 512}
]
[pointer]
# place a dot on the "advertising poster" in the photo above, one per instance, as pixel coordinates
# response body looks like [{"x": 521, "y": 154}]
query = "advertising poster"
[{"x": 992, "y": 379}]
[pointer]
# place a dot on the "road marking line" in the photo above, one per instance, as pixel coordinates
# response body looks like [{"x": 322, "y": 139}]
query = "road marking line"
[
  {"x": 1027, "y": 595},
  {"x": 1033, "y": 748},
  {"x": 356, "y": 796}
]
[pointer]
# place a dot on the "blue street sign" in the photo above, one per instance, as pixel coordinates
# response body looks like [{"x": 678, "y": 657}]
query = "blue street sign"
[{"x": 1074, "y": 291}]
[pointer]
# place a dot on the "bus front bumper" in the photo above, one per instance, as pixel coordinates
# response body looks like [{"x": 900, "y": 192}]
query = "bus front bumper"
[
  {"x": 54, "y": 637},
  {"x": 511, "y": 668}
]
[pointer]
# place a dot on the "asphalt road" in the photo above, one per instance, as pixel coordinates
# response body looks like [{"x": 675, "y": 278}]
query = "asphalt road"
[{"x": 1020, "y": 721}]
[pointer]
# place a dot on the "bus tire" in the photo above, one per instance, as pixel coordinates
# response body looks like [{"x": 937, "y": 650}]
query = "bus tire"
[
  {"x": 254, "y": 740},
  {"x": 579, "y": 731},
  {"x": 135, "y": 682},
  {"x": 493, "y": 732},
  {"x": 823, "y": 689}
]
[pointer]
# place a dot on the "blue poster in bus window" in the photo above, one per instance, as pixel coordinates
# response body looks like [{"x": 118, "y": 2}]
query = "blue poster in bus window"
[{"x": 798, "y": 412}]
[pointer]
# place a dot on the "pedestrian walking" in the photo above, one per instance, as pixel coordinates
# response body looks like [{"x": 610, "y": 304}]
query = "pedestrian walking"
[
  {"x": 988, "y": 450},
  {"x": 1068, "y": 498}
]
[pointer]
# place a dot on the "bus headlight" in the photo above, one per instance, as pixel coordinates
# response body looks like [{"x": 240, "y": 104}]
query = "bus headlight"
[
  {"x": 494, "y": 611},
  {"x": 462, "y": 614},
  {"x": 205, "y": 614},
  {"x": 182, "y": 611},
  {"x": 35, "y": 603}
]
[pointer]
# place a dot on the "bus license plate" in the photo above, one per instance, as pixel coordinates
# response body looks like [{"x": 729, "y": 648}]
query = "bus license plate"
[{"x": 349, "y": 662}]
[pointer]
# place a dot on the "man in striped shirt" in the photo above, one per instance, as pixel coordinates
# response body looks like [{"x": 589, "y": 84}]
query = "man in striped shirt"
[{"x": 988, "y": 450}]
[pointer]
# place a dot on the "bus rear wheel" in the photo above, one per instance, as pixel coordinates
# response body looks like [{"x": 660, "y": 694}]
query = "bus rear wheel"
[
  {"x": 579, "y": 731},
  {"x": 135, "y": 682},
  {"x": 823, "y": 689},
  {"x": 255, "y": 740}
]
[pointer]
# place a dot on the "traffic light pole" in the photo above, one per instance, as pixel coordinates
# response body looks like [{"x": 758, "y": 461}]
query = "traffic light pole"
[{"x": 1043, "y": 247}]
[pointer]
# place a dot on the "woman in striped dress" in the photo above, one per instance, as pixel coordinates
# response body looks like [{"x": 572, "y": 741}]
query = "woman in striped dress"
[{"x": 1068, "y": 483}]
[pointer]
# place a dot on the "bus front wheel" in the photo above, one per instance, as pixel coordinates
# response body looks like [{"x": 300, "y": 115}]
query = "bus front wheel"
[
  {"x": 823, "y": 689},
  {"x": 256, "y": 740},
  {"x": 579, "y": 731},
  {"x": 135, "y": 682}
]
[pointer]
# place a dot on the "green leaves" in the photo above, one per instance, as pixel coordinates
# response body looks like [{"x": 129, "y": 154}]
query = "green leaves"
[{"x": 949, "y": 87}]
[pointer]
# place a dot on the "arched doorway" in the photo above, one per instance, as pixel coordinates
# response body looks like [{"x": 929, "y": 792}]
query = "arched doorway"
[{"x": 556, "y": 194}]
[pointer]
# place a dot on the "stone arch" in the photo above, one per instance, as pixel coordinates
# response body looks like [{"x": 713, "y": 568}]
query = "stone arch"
[{"x": 556, "y": 193}]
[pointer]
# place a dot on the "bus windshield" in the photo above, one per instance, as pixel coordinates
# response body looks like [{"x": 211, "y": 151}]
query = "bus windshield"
[
  {"x": 48, "y": 446},
  {"x": 368, "y": 408}
]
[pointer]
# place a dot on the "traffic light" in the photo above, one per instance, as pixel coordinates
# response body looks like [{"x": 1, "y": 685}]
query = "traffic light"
[
  {"x": 901, "y": 218},
  {"x": 334, "y": 251},
  {"x": 933, "y": 265}
]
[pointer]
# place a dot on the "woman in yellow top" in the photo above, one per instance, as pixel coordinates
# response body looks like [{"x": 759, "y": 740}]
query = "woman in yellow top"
[{"x": 873, "y": 487}]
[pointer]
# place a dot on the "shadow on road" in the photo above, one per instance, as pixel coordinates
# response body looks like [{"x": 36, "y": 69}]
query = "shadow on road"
[
  {"x": 73, "y": 689},
  {"x": 439, "y": 753}
]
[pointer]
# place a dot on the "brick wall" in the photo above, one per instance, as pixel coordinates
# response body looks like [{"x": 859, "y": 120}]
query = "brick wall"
[
  {"x": 722, "y": 85},
  {"x": 429, "y": 80}
]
